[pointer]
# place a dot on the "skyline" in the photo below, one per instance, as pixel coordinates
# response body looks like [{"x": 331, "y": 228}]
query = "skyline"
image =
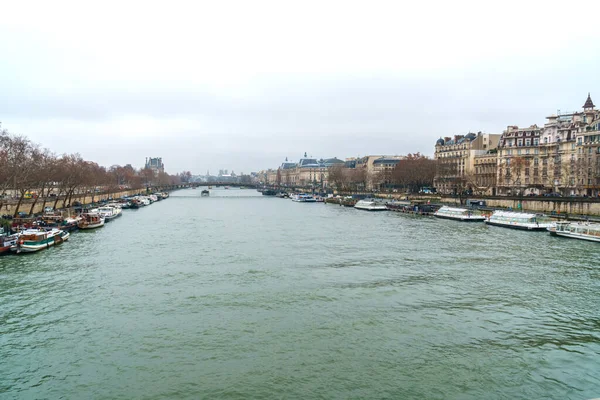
[{"x": 243, "y": 86}]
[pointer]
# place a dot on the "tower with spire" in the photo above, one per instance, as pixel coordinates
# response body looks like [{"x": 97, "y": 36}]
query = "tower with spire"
[{"x": 589, "y": 104}]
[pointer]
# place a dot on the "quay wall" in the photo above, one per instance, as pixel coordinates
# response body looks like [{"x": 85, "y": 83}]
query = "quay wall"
[
  {"x": 10, "y": 207},
  {"x": 558, "y": 206}
]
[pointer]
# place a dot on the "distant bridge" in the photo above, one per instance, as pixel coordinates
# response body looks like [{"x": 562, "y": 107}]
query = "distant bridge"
[{"x": 229, "y": 184}]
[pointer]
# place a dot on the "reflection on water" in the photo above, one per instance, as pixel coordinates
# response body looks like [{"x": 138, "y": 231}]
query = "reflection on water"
[{"x": 239, "y": 295}]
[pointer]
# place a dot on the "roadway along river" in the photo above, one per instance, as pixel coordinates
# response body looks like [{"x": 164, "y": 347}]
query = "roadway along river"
[{"x": 240, "y": 296}]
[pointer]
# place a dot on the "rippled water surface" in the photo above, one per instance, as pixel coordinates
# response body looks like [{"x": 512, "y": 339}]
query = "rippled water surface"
[{"x": 242, "y": 296}]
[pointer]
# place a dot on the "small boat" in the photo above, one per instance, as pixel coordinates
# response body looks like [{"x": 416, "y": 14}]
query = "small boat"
[
  {"x": 205, "y": 193},
  {"x": 91, "y": 221},
  {"x": 70, "y": 224},
  {"x": 517, "y": 220},
  {"x": 580, "y": 230},
  {"x": 6, "y": 242},
  {"x": 109, "y": 212},
  {"x": 458, "y": 214},
  {"x": 304, "y": 198},
  {"x": 226, "y": 187},
  {"x": 269, "y": 192},
  {"x": 370, "y": 205},
  {"x": 210, "y": 187},
  {"x": 32, "y": 240}
]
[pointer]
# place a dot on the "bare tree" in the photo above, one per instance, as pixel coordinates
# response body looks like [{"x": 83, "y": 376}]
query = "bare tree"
[{"x": 414, "y": 172}]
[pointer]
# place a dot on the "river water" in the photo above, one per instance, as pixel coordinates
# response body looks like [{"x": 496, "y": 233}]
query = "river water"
[{"x": 240, "y": 296}]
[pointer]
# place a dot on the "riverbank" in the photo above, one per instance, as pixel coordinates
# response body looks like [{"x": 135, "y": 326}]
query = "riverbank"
[{"x": 10, "y": 206}]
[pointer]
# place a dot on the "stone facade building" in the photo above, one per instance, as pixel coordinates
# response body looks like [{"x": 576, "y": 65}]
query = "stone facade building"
[
  {"x": 558, "y": 159},
  {"x": 307, "y": 172},
  {"x": 155, "y": 164},
  {"x": 455, "y": 159}
]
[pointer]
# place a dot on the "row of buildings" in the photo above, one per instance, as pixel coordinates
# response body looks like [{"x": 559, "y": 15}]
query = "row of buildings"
[
  {"x": 315, "y": 173},
  {"x": 561, "y": 157}
]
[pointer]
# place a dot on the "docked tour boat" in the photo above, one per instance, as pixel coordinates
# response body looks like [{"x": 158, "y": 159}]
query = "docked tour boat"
[
  {"x": 370, "y": 205},
  {"x": 517, "y": 220},
  {"x": 109, "y": 212},
  {"x": 6, "y": 242},
  {"x": 304, "y": 198},
  {"x": 32, "y": 240},
  {"x": 458, "y": 214},
  {"x": 91, "y": 221},
  {"x": 580, "y": 230}
]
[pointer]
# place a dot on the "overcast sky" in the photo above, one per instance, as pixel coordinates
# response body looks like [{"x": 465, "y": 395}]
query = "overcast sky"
[{"x": 242, "y": 85}]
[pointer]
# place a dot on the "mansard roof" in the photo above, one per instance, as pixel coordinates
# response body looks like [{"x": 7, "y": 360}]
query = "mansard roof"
[
  {"x": 288, "y": 165},
  {"x": 308, "y": 162}
]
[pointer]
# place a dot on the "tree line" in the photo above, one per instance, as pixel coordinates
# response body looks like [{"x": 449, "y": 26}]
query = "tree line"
[
  {"x": 412, "y": 173},
  {"x": 29, "y": 171}
]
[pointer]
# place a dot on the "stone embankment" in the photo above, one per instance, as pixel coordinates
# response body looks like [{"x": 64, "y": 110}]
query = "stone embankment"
[
  {"x": 10, "y": 206},
  {"x": 566, "y": 205},
  {"x": 560, "y": 205}
]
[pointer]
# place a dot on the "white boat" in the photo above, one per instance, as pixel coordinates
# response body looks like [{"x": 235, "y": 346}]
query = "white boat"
[
  {"x": 109, "y": 212},
  {"x": 304, "y": 198},
  {"x": 7, "y": 241},
  {"x": 91, "y": 221},
  {"x": 517, "y": 220},
  {"x": 32, "y": 240},
  {"x": 370, "y": 205},
  {"x": 580, "y": 230},
  {"x": 459, "y": 214}
]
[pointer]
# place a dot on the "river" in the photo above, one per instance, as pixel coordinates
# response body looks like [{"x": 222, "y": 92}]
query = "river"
[{"x": 239, "y": 296}]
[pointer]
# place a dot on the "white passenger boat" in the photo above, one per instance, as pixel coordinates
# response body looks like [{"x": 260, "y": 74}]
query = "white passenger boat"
[
  {"x": 109, "y": 212},
  {"x": 91, "y": 221},
  {"x": 32, "y": 240},
  {"x": 304, "y": 198},
  {"x": 576, "y": 230},
  {"x": 370, "y": 205},
  {"x": 517, "y": 220},
  {"x": 459, "y": 214}
]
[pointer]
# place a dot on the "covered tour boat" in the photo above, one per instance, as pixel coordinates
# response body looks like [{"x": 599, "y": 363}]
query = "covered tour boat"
[
  {"x": 576, "y": 230},
  {"x": 304, "y": 198},
  {"x": 459, "y": 214},
  {"x": 517, "y": 220},
  {"x": 205, "y": 193},
  {"x": 32, "y": 240},
  {"x": 370, "y": 205}
]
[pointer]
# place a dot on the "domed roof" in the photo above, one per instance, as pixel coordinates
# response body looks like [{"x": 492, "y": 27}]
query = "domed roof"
[{"x": 440, "y": 142}]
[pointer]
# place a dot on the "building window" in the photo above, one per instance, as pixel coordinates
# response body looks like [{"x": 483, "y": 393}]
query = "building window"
[
  {"x": 526, "y": 151},
  {"x": 527, "y": 142},
  {"x": 520, "y": 142},
  {"x": 579, "y": 141},
  {"x": 545, "y": 140}
]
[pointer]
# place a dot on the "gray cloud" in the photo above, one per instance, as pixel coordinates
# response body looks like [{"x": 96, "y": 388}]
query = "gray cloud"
[{"x": 204, "y": 101}]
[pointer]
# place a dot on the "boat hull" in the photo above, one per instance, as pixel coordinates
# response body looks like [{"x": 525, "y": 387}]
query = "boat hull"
[
  {"x": 572, "y": 235},
  {"x": 32, "y": 247},
  {"x": 371, "y": 208},
  {"x": 519, "y": 227},
  {"x": 476, "y": 219}
]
